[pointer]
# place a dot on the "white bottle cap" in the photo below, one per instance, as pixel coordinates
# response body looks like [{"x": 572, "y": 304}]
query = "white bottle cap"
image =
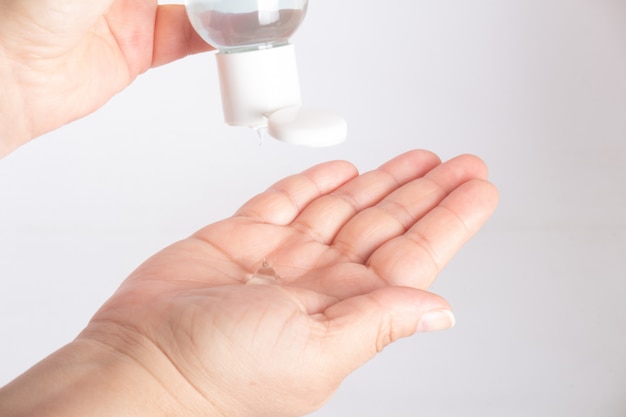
[
  {"x": 261, "y": 88},
  {"x": 307, "y": 126}
]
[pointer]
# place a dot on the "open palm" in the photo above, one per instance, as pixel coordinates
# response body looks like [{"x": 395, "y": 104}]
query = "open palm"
[
  {"x": 60, "y": 60},
  {"x": 306, "y": 282}
]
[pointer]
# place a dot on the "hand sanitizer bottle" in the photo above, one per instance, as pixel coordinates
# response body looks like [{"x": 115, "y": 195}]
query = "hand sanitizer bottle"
[{"x": 257, "y": 68}]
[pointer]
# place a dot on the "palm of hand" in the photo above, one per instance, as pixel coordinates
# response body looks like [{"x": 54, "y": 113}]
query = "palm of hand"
[
  {"x": 68, "y": 58},
  {"x": 354, "y": 254}
]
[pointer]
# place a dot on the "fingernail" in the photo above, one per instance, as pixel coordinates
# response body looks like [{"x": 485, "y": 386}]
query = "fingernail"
[{"x": 436, "y": 320}]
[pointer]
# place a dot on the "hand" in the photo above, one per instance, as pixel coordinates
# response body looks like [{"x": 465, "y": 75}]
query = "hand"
[
  {"x": 265, "y": 313},
  {"x": 60, "y": 60}
]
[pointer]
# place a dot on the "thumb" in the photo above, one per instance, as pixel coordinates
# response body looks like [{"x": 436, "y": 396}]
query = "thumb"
[{"x": 362, "y": 326}]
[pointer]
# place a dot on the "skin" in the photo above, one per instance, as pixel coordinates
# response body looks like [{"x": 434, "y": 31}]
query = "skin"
[
  {"x": 53, "y": 72},
  {"x": 197, "y": 330},
  {"x": 354, "y": 254}
]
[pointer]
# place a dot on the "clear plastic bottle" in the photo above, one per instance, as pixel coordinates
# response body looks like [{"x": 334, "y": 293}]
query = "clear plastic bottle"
[
  {"x": 257, "y": 68},
  {"x": 240, "y": 25}
]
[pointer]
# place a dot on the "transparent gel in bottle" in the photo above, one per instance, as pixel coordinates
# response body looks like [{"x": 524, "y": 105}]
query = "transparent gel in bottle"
[
  {"x": 240, "y": 25},
  {"x": 257, "y": 68}
]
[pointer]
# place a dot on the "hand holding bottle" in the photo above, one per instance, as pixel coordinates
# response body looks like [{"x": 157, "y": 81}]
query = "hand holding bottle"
[
  {"x": 60, "y": 61},
  {"x": 265, "y": 313}
]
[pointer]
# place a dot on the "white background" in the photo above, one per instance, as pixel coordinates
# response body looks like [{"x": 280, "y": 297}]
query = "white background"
[{"x": 537, "y": 88}]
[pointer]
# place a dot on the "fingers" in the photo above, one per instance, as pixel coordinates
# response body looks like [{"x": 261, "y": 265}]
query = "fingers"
[
  {"x": 400, "y": 210},
  {"x": 283, "y": 201},
  {"x": 174, "y": 37},
  {"x": 362, "y": 326},
  {"x": 415, "y": 258},
  {"x": 324, "y": 217}
]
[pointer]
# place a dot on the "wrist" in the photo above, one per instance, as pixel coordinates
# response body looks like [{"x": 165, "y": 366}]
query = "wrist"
[{"x": 87, "y": 377}]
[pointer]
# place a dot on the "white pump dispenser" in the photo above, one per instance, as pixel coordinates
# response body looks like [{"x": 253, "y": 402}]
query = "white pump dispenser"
[{"x": 258, "y": 71}]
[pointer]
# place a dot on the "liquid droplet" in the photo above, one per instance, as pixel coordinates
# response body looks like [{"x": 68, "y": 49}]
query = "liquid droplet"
[
  {"x": 264, "y": 275},
  {"x": 262, "y": 134}
]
